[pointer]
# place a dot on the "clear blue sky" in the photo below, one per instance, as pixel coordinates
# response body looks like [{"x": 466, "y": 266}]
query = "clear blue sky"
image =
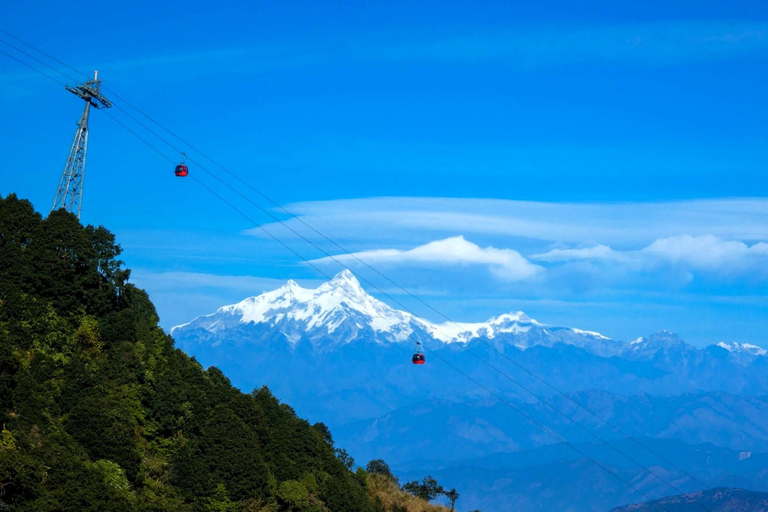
[{"x": 605, "y": 165}]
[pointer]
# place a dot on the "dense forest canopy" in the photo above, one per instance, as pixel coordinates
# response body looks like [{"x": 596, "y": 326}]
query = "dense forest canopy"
[{"x": 99, "y": 411}]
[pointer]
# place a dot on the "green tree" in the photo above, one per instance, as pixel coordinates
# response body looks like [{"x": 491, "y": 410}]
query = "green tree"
[
  {"x": 379, "y": 467},
  {"x": 293, "y": 494},
  {"x": 219, "y": 501},
  {"x": 452, "y": 496},
  {"x": 100, "y": 412},
  {"x": 345, "y": 458},
  {"x": 428, "y": 489},
  {"x": 106, "y": 426}
]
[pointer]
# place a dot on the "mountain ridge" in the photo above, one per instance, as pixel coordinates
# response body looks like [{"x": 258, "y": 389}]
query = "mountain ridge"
[
  {"x": 341, "y": 311},
  {"x": 320, "y": 351}
]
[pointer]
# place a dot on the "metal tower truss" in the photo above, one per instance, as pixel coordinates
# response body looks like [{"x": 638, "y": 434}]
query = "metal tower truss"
[{"x": 70, "y": 192}]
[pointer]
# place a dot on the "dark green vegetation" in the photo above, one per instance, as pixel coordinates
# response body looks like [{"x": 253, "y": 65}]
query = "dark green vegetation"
[
  {"x": 428, "y": 489},
  {"x": 99, "y": 411},
  {"x": 713, "y": 500}
]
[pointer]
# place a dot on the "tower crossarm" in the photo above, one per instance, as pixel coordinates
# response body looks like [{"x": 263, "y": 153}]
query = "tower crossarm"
[{"x": 89, "y": 91}]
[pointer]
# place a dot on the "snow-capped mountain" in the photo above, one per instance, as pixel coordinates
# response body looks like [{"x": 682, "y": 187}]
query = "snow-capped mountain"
[
  {"x": 738, "y": 348},
  {"x": 340, "y": 312},
  {"x": 340, "y": 356}
]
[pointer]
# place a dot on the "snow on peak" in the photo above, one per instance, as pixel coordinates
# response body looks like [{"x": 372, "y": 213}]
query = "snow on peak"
[
  {"x": 346, "y": 276},
  {"x": 345, "y": 283},
  {"x": 340, "y": 301},
  {"x": 343, "y": 302},
  {"x": 737, "y": 348}
]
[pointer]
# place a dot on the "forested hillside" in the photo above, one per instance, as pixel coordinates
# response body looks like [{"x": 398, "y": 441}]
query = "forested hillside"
[{"x": 99, "y": 411}]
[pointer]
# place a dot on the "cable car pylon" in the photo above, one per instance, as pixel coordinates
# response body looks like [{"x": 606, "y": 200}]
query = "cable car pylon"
[{"x": 70, "y": 192}]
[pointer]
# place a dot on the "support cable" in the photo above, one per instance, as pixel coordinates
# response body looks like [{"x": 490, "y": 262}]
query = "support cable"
[
  {"x": 33, "y": 68},
  {"x": 463, "y": 346},
  {"x": 372, "y": 268},
  {"x": 351, "y": 254},
  {"x": 329, "y": 277},
  {"x": 450, "y": 365}
]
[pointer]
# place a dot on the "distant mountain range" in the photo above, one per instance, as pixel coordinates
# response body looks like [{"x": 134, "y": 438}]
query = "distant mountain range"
[
  {"x": 335, "y": 339},
  {"x": 340, "y": 312},
  {"x": 340, "y": 356},
  {"x": 714, "y": 500}
]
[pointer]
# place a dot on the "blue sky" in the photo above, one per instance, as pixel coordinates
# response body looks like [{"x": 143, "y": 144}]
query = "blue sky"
[{"x": 596, "y": 165}]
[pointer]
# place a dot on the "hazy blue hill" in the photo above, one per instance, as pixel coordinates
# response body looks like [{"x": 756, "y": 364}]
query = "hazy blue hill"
[
  {"x": 477, "y": 428},
  {"x": 326, "y": 352},
  {"x": 715, "y": 500},
  {"x": 558, "y": 478},
  {"x": 336, "y": 352}
]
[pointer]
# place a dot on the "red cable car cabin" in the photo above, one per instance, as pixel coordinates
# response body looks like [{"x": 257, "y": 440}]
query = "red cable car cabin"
[
  {"x": 181, "y": 169},
  {"x": 418, "y": 357}
]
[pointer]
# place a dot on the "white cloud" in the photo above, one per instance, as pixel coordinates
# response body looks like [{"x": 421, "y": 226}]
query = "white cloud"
[
  {"x": 597, "y": 252},
  {"x": 707, "y": 253},
  {"x": 581, "y": 245},
  {"x": 506, "y": 264},
  {"x": 417, "y": 220}
]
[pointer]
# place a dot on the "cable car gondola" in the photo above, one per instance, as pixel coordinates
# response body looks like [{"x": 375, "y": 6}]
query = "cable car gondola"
[
  {"x": 181, "y": 169},
  {"x": 418, "y": 357}
]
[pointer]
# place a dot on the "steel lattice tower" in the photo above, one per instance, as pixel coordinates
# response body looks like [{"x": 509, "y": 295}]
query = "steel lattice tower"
[{"x": 70, "y": 193}]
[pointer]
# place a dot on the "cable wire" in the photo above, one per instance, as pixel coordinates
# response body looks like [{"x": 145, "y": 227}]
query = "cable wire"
[
  {"x": 358, "y": 259},
  {"x": 33, "y": 68},
  {"x": 516, "y": 409},
  {"x": 473, "y": 380},
  {"x": 376, "y": 287},
  {"x": 464, "y": 347},
  {"x": 37, "y": 60},
  {"x": 346, "y": 251}
]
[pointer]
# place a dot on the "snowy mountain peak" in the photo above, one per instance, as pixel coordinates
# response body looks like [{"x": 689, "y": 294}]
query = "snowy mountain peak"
[
  {"x": 344, "y": 282},
  {"x": 338, "y": 309},
  {"x": 340, "y": 312},
  {"x": 346, "y": 276},
  {"x": 747, "y": 348},
  {"x": 514, "y": 316},
  {"x": 659, "y": 338}
]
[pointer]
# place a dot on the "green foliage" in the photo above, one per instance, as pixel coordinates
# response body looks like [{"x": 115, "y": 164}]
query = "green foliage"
[
  {"x": 114, "y": 478},
  {"x": 293, "y": 495},
  {"x": 219, "y": 501},
  {"x": 345, "y": 458},
  {"x": 452, "y": 496},
  {"x": 101, "y": 413},
  {"x": 379, "y": 467},
  {"x": 87, "y": 335},
  {"x": 428, "y": 489},
  {"x": 106, "y": 426}
]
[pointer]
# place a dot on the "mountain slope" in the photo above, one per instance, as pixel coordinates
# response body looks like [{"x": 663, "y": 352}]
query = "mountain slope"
[
  {"x": 334, "y": 338},
  {"x": 714, "y": 500},
  {"x": 341, "y": 312},
  {"x": 100, "y": 412},
  {"x": 325, "y": 352}
]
